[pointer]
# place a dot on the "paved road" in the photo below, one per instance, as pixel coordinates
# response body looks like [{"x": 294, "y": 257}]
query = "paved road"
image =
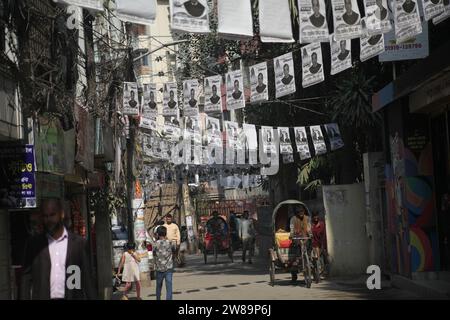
[{"x": 239, "y": 281}]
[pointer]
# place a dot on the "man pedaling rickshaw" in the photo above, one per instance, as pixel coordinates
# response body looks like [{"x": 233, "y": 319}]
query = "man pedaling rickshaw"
[
  {"x": 299, "y": 227},
  {"x": 216, "y": 226}
]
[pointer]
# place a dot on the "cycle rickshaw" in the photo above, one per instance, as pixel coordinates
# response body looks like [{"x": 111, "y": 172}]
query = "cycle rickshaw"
[
  {"x": 290, "y": 254},
  {"x": 217, "y": 239}
]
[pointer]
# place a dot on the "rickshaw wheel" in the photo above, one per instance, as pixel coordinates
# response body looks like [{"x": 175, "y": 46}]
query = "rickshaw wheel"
[{"x": 272, "y": 273}]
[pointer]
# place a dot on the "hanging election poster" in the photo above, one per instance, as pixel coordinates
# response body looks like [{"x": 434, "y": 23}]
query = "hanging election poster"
[
  {"x": 136, "y": 11},
  {"x": 334, "y": 135},
  {"x": 284, "y": 75},
  {"x": 192, "y": 129},
  {"x": 275, "y": 13},
  {"x": 231, "y": 132},
  {"x": 371, "y": 46},
  {"x": 258, "y": 82},
  {"x": 285, "y": 141},
  {"x": 313, "y": 22},
  {"x": 341, "y": 56},
  {"x": 235, "y": 90},
  {"x": 445, "y": 14},
  {"x": 213, "y": 133},
  {"x": 313, "y": 71},
  {"x": 147, "y": 123},
  {"x": 213, "y": 94},
  {"x": 377, "y": 16},
  {"x": 87, "y": 4},
  {"x": 149, "y": 106},
  {"x": 432, "y": 8},
  {"x": 189, "y": 16},
  {"x": 268, "y": 140},
  {"x": 170, "y": 103},
  {"x": 130, "y": 99},
  {"x": 251, "y": 142},
  {"x": 172, "y": 129},
  {"x": 318, "y": 140},
  {"x": 406, "y": 20},
  {"x": 346, "y": 19},
  {"x": 191, "y": 97},
  {"x": 235, "y": 20},
  {"x": 301, "y": 140},
  {"x": 152, "y": 146},
  {"x": 288, "y": 158}
]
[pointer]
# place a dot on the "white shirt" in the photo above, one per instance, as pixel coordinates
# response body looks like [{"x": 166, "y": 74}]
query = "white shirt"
[{"x": 58, "y": 253}]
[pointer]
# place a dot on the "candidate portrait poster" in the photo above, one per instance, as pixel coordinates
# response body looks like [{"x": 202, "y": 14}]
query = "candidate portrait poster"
[
  {"x": 313, "y": 22},
  {"x": 149, "y": 104},
  {"x": 313, "y": 71},
  {"x": 268, "y": 139},
  {"x": 301, "y": 141},
  {"x": 172, "y": 128},
  {"x": 170, "y": 99},
  {"x": 341, "y": 55},
  {"x": 189, "y": 16},
  {"x": 334, "y": 135},
  {"x": 377, "y": 16},
  {"x": 432, "y": 8},
  {"x": 130, "y": 99},
  {"x": 251, "y": 142},
  {"x": 347, "y": 18},
  {"x": 213, "y": 94},
  {"x": 191, "y": 95},
  {"x": 235, "y": 90},
  {"x": 192, "y": 129},
  {"x": 318, "y": 140},
  {"x": 370, "y": 46},
  {"x": 232, "y": 133},
  {"x": 285, "y": 141},
  {"x": 445, "y": 14},
  {"x": 212, "y": 132},
  {"x": 406, "y": 19},
  {"x": 284, "y": 75},
  {"x": 258, "y": 82}
]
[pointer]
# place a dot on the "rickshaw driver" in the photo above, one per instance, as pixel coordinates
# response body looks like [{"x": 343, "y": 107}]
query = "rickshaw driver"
[
  {"x": 299, "y": 226},
  {"x": 217, "y": 225}
]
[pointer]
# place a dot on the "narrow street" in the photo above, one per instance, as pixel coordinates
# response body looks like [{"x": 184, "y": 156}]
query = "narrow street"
[{"x": 238, "y": 281}]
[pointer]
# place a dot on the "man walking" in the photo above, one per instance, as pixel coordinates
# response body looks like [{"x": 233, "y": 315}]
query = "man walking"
[
  {"x": 247, "y": 234},
  {"x": 56, "y": 263},
  {"x": 173, "y": 232},
  {"x": 163, "y": 250}
]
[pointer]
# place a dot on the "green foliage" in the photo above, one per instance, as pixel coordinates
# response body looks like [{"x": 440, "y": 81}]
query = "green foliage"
[{"x": 316, "y": 172}]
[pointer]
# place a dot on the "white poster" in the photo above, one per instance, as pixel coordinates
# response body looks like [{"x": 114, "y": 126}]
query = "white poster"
[
  {"x": 191, "y": 94},
  {"x": 192, "y": 129},
  {"x": 231, "y": 131},
  {"x": 285, "y": 141},
  {"x": 235, "y": 90},
  {"x": 136, "y": 11},
  {"x": 445, "y": 14},
  {"x": 150, "y": 105},
  {"x": 251, "y": 142},
  {"x": 258, "y": 82},
  {"x": 213, "y": 94},
  {"x": 432, "y": 8},
  {"x": 271, "y": 13},
  {"x": 152, "y": 146},
  {"x": 268, "y": 140},
  {"x": 189, "y": 16},
  {"x": 312, "y": 71},
  {"x": 346, "y": 19},
  {"x": 406, "y": 19},
  {"x": 172, "y": 129},
  {"x": 371, "y": 46},
  {"x": 284, "y": 75},
  {"x": 130, "y": 99},
  {"x": 147, "y": 123},
  {"x": 235, "y": 20},
  {"x": 301, "y": 140},
  {"x": 170, "y": 100},
  {"x": 377, "y": 16},
  {"x": 334, "y": 135},
  {"x": 341, "y": 55},
  {"x": 313, "y": 22},
  {"x": 212, "y": 131},
  {"x": 318, "y": 140},
  {"x": 87, "y": 4}
]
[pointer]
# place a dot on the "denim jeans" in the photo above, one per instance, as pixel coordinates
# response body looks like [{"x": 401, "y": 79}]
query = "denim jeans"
[{"x": 160, "y": 276}]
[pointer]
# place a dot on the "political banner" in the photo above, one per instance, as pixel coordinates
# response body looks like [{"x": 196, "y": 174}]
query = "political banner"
[
  {"x": 235, "y": 20},
  {"x": 213, "y": 94},
  {"x": 136, "y": 11},
  {"x": 271, "y": 13},
  {"x": 334, "y": 135},
  {"x": 191, "y": 97},
  {"x": 284, "y": 75},
  {"x": 347, "y": 18},
  {"x": 258, "y": 82},
  {"x": 150, "y": 105},
  {"x": 170, "y": 100},
  {"x": 445, "y": 14},
  {"x": 130, "y": 99},
  {"x": 235, "y": 90},
  {"x": 406, "y": 20},
  {"x": 313, "y": 22},
  {"x": 341, "y": 55},
  {"x": 318, "y": 140},
  {"x": 189, "y": 16},
  {"x": 285, "y": 141},
  {"x": 370, "y": 46},
  {"x": 301, "y": 140},
  {"x": 268, "y": 139},
  {"x": 313, "y": 71},
  {"x": 377, "y": 16},
  {"x": 432, "y": 8}
]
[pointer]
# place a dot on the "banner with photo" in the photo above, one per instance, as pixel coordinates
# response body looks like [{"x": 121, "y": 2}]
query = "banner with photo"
[
  {"x": 432, "y": 8},
  {"x": 341, "y": 55},
  {"x": 231, "y": 132},
  {"x": 251, "y": 142},
  {"x": 235, "y": 90},
  {"x": 192, "y": 129},
  {"x": 136, "y": 11},
  {"x": 377, "y": 16},
  {"x": 371, "y": 46},
  {"x": 235, "y": 20},
  {"x": 301, "y": 140},
  {"x": 170, "y": 100},
  {"x": 212, "y": 132},
  {"x": 213, "y": 94},
  {"x": 347, "y": 18},
  {"x": 284, "y": 75},
  {"x": 87, "y": 4},
  {"x": 258, "y": 82},
  {"x": 150, "y": 105},
  {"x": 318, "y": 140},
  {"x": 147, "y": 123},
  {"x": 406, "y": 19},
  {"x": 152, "y": 146},
  {"x": 313, "y": 22},
  {"x": 275, "y": 13},
  {"x": 130, "y": 99},
  {"x": 191, "y": 97},
  {"x": 172, "y": 128},
  {"x": 445, "y": 14},
  {"x": 268, "y": 140},
  {"x": 189, "y": 16},
  {"x": 313, "y": 71},
  {"x": 334, "y": 135},
  {"x": 285, "y": 140}
]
